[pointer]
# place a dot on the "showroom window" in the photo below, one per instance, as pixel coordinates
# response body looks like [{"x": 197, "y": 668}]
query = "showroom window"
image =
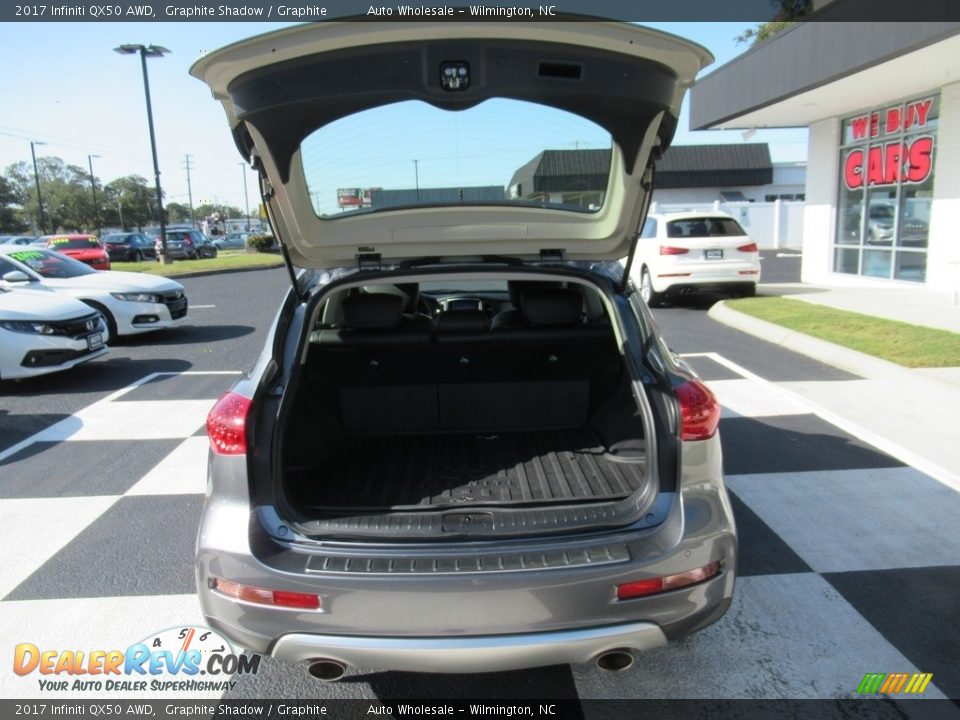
[{"x": 886, "y": 190}]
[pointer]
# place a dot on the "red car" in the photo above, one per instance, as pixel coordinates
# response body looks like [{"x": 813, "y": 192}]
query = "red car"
[{"x": 85, "y": 248}]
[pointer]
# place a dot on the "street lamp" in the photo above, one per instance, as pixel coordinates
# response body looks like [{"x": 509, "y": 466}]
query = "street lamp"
[
  {"x": 246, "y": 198},
  {"x": 36, "y": 177},
  {"x": 146, "y": 51},
  {"x": 93, "y": 188}
]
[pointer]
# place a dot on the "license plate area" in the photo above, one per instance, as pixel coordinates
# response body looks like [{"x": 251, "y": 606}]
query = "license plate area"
[
  {"x": 713, "y": 254},
  {"x": 95, "y": 341}
]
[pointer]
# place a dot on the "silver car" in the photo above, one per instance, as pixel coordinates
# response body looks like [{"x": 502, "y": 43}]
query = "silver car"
[{"x": 464, "y": 447}]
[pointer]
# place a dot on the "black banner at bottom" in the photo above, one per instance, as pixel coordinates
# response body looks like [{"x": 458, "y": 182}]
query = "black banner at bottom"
[{"x": 874, "y": 709}]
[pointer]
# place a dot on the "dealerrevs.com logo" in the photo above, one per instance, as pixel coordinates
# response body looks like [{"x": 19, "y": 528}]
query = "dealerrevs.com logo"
[{"x": 187, "y": 659}]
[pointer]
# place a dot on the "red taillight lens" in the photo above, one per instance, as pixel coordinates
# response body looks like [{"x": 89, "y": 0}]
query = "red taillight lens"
[
  {"x": 699, "y": 411},
  {"x": 227, "y": 425},
  {"x": 264, "y": 596},
  {"x": 639, "y": 588},
  {"x": 652, "y": 586},
  {"x": 749, "y": 247},
  {"x": 668, "y": 250}
]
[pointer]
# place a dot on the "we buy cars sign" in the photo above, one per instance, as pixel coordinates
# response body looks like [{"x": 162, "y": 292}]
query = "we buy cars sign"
[{"x": 907, "y": 160}]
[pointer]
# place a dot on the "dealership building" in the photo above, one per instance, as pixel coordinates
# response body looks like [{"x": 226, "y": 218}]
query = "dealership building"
[{"x": 882, "y": 104}]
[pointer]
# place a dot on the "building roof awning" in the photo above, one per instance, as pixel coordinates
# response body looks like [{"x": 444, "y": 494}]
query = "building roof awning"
[
  {"x": 682, "y": 166},
  {"x": 817, "y": 70}
]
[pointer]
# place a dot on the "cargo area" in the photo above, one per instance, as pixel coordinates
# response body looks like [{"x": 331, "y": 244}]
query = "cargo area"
[{"x": 398, "y": 414}]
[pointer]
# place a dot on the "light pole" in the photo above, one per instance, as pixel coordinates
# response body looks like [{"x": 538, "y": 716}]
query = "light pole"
[
  {"x": 146, "y": 51},
  {"x": 93, "y": 187},
  {"x": 246, "y": 198},
  {"x": 416, "y": 177},
  {"x": 36, "y": 177}
]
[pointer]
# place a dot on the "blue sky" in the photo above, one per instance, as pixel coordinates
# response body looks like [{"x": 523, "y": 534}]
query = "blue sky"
[{"x": 63, "y": 84}]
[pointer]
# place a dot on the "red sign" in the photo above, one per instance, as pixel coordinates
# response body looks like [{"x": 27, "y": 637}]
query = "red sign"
[
  {"x": 354, "y": 197},
  {"x": 890, "y": 121},
  {"x": 910, "y": 161},
  {"x": 904, "y": 161}
]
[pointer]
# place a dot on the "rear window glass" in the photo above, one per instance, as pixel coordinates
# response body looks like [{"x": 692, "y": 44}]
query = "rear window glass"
[
  {"x": 703, "y": 227},
  {"x": 498, "y": 152},
  {"x": 73, "y": 243}
]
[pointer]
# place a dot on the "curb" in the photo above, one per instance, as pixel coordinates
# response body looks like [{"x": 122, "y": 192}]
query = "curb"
[
  {"x": 222, "y": 271},
  {"x": 852, "y": 361}
]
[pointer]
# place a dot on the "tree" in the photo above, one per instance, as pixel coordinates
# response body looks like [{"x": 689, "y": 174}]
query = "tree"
[
  {"x": 788, "y": 11},
  {"x": 130, "y": 203},
  {"x": 11, "y": 220},
  {"x": 67, "y": 198},
  {"x": 177, "y": 212}
]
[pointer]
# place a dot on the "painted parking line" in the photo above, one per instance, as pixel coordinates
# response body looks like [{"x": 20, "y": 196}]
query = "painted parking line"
[
  {"x": 894, "y": 449},
  {"x": 62, "y": 429}
]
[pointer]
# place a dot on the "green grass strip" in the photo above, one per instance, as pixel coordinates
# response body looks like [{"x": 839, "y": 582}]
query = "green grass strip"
[
  {"x": 224, "y": 261},
  {"x": 912, "y": 346}
]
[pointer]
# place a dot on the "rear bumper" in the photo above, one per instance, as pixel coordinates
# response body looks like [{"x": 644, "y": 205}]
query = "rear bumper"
[
  {"x": 469, "y": 654},
  {"x": 704, "y": 276}
]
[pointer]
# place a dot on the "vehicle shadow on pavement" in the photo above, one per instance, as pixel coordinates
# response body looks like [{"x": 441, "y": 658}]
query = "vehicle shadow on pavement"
[
  {"x": 699, "y": 301},
  {"x": 185, "y": 335},
  {"x": 16, "y": 427}
]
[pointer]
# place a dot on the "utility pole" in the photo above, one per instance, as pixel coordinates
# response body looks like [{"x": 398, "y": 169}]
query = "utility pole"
[
  {"x": 93, "y": 187},
  {"x": 416, "y": 176},
  {"x": 246, "y": 198},
  {"x": 193, "y": 223},
  {"x": 36, "y": 177}
]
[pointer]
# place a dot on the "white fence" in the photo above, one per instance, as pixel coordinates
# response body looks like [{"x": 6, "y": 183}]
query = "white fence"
[{"x": 771, "y": 225}]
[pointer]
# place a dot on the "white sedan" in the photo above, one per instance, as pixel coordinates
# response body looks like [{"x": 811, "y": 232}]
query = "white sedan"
[
  {"x": 131, "y": 303},
  {"x": 680, "y": 253},
  {"x": 42, "y": 332}
]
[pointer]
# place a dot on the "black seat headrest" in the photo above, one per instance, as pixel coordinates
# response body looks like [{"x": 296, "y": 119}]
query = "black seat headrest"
[
  {"x": 377, "y": 311},
  {"x": 519, "y": 288},
  {"x": 558, "y": 306},
  {"x": 462, "y": 321},
  {"x": 410, "y": 292}
]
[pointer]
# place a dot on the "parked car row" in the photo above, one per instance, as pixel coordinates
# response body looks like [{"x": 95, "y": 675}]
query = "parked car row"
[{"x": 57, "y": 311}]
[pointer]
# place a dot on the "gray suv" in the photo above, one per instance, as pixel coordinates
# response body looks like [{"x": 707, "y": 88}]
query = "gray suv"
[{"x": 464, "y": 447}]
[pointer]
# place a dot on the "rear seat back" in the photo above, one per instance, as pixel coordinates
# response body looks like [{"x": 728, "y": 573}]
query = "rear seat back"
[
  {"x": 552, "y": 370},
  {"x": 389, "y": 375},
  {"x": 376, "y": 366}
]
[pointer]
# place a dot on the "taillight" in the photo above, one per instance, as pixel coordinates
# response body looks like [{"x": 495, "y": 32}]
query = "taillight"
[
  {"x": 227, "y": 425},
  {"x": 668, "y": 250},
  {"x": 265, "y": 596},
  {"x": 699, "y": 411},
  {"x": 749, "y": 247},
  {"x": 654, "y": 585}
]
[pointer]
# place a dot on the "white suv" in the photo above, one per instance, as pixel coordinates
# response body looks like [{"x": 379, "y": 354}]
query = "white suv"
[{"x": 680, "y": 253}]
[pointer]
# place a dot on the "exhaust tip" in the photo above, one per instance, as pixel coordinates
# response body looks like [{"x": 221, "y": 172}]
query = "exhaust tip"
[
  {"x": 326, "y": 670},
  {"x": 615, "y": 660}
]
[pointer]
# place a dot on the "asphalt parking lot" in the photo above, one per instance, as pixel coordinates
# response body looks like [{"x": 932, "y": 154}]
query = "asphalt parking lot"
[{"x": 102, "y": 474}]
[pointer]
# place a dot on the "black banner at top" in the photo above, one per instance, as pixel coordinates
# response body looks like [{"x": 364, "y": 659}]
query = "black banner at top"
[{"x": 481, "y": 10}]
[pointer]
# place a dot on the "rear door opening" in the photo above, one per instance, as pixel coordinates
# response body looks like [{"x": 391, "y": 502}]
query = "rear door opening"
[{"x": 508, "y": 410}]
